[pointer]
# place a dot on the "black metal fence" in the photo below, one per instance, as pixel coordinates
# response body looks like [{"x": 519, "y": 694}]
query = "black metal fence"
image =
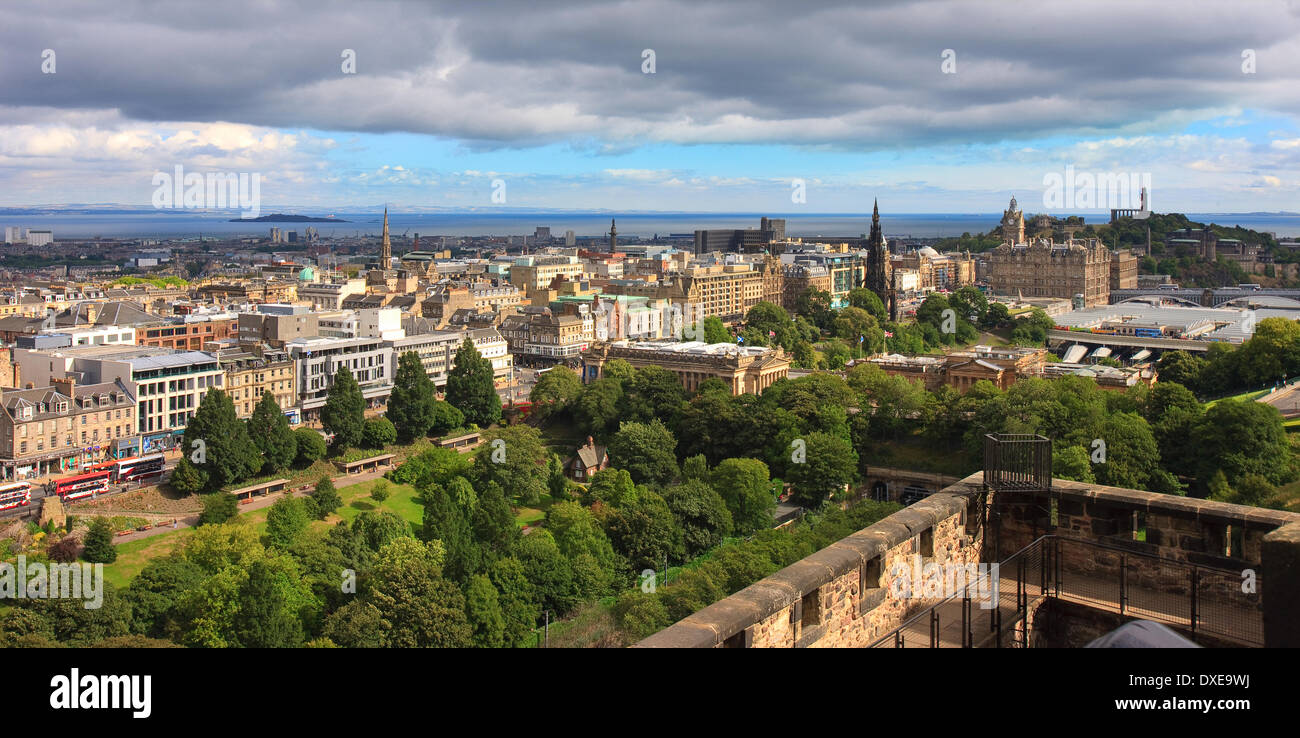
[
  {"x": 1017, "y": 462},
  {"x": 1197, "y": 599}
]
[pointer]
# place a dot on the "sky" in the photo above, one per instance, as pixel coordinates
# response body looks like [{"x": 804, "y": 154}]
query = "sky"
[{"x": 701, "y": 105}]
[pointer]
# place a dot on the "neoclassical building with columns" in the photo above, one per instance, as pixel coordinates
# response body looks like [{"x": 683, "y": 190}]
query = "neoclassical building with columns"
[{"x": 745, "y": 369}]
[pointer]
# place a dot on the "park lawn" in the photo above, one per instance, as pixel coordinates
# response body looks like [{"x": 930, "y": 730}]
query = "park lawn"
[
  {"x": 132, "y": 556},
  {"x": 401, "y": 500},
  {"x": 1252, "y": 395},
  {"x": 525, "y": 516}
]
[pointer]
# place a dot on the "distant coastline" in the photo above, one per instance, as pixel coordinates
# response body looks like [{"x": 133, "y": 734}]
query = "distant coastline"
[{"x": 282, "y": 218}]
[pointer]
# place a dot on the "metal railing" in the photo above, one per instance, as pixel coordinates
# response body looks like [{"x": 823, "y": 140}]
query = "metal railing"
[{"x": 1198, "y": 599}]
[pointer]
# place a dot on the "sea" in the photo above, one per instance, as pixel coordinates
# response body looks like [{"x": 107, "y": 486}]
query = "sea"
[{"x": 181, "y": 224}]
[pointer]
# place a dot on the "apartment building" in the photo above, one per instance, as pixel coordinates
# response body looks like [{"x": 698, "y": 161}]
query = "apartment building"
[
  {"x": 329, "y": 295},
  {"x": 250, "y": 374},
  {"x": 437, "y": 351},
  {"x": 537, "y": 272},
  {"x": 318, "y": 358},
  {"x": 190, "y": 333},
  {"x": 57, "y": 428},
  {"x": 168, "y": 384},
  {"x": 276, "y": 325}
]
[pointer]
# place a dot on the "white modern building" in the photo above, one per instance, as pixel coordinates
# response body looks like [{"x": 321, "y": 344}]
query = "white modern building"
[{"x": 318, "y": 358}]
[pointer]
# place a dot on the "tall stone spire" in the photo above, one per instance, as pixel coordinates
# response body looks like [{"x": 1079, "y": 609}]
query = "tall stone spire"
[
  {"x": 613, "y": 236},
  {"x": 386, "y": 250},
  {"x": 878, "y": 273}
]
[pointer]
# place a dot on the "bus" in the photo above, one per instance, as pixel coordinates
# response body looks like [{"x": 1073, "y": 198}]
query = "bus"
[
  {"x": 83, "y": 485},
  {"x": 15, "y": 494},
  {"x": 137, "y": 467},
  {"x": 129, "y": 469}
]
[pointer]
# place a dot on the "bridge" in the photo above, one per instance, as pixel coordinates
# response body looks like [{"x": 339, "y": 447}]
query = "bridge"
[
  {"x": 1064, "y": 338},
  {"x": 1206, "y": 297}
]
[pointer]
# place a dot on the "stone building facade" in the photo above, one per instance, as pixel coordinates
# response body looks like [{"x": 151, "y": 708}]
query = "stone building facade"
[{"x": 1046, "y": 269}]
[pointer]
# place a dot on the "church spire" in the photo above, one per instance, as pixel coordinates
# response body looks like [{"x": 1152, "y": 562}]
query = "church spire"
[
  {"x": 613, "y": 236},
  {"x": 386, "y": 250}
]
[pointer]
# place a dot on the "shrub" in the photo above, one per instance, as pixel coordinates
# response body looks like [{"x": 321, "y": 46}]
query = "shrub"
[{"x": 378, "y": 432}]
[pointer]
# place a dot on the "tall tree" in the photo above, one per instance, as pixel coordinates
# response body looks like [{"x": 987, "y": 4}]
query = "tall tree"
[
  {"x": 266, "y": 616},
  {"x": 470, "y": 387},
  {"x": 217, "y": 441},
  {"x": 99, "y": 543},
  {"x": 270, "y": 432},
  {"x": 344, "y": 413},
  {"x": 411, "y": 403},
  {"x": 645, "y": 450},
  {"x": 745, "y": 487},
  {"x": 555, "y": 393}
]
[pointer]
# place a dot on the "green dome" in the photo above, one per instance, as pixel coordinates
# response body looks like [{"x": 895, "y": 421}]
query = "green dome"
[{"x": 307, "y": 274}]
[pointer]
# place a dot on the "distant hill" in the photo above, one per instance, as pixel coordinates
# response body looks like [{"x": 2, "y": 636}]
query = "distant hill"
[{"x": 282, "y": 218}]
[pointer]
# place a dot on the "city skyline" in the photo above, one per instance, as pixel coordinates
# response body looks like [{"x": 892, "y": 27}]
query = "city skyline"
[{"x": 564, "y": 107}]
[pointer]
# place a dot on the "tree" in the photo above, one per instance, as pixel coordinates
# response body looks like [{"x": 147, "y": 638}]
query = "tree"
[
  {"x": 815, "y": 305},
  {"x": 643, "y": 532},
  {"x": 326, "y": 498},
  {"x": 217, "y": 441},
  {"x": 378, "y": 433},
  {"x": 1242, "y": 438},
  {"x": 695, "y": 467},
  {"x": 419, "y": 608},
  {"x": 829, "y": 464},
  {"x": 715, "y": 331},
  {"x": 379, "y": 492},
  {"x": 513, "y": 457},
  {"x": 270, "y": 432},
  {"x": 645, "y": 450},
  {"x": 446, "y": 418},
  {"x": 970, "y": 303},
  {"x": 99, "y": 548},
  {"x": 613, "y": 487},
  {"x": 310, "y": 444},
  {"x": 517, "y": 598},
  {"x": 1180, "y": 367},
  {"x": 865, "y": 299},
  {"x": 550, "y": 572},
  {"x": 448, "y": 522},
  {"x": 470, "y": 387},
  {"x": 599, "y": 405},
  {"x": 344, "y": 412},
  {"x": 219, "y": 508},
  {"x": 655, "y": 392},
  {"x": 267, "y": 617},
  {"x": 493, "y": 523},
  {"x": 411, "y": 403},
  {"x": 483, "y": 611},
  {"x": 286, "y": 519},
  {"x": 576, "y": 534},
  {"x": 745, "y": 487},
  {"x": 187, "y": 478},
  {"x": 555, "y": 393},
  {"x": 702, "y": 517}
]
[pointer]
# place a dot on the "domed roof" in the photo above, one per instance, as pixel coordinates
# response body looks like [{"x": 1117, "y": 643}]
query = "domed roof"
[
  {"x": 307, "y": 274},
  {"x": 928, "y": 252}
]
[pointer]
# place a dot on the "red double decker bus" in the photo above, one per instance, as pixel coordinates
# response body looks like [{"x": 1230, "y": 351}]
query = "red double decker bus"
[
  {"x": 83, "y": 485},
  {"x": 15, "y": 494},
  {"x": 130, "y": 469}
]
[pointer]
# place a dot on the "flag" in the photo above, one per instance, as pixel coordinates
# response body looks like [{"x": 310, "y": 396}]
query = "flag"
[
  {"x": 771, "y": 334},
  {"x": 888, "y": 334},
  {"x": 861, "y": 339},
  {"x": 740, "y": 339}
]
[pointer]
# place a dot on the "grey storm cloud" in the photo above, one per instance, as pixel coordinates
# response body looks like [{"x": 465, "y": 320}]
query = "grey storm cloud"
[{"x": 850, "y": 75}]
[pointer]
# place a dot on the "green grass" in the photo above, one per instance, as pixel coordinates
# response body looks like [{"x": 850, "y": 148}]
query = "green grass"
[
  {"x": 401, "y": 500},
  {"x": 132, "y": 556},
  {"x": 1254, "y": 395}
]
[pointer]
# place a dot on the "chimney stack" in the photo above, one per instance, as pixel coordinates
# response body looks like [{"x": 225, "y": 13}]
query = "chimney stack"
[{"x": 65, "y": 384}]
